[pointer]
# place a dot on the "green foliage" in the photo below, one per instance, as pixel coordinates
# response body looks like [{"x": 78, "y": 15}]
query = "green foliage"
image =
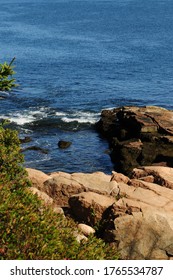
[
  {"x": 11, "y": 169},
  {"x": 6, "y": 73},
  {"x": 29, "y": 230}
]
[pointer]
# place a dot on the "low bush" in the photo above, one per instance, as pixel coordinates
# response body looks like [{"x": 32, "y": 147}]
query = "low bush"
[{"x": 29, "y": 230}]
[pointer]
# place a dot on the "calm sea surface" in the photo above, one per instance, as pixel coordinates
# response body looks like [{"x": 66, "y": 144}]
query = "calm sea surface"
[{"x": 75, "y": 58}]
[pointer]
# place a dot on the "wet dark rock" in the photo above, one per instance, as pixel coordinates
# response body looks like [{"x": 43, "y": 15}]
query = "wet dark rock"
[
  {"x": 62, "y": 144},
  {"x": 138, "y": 136},
  {"x": 36, "y": 148},
  {"x": 26, "y": 139}
]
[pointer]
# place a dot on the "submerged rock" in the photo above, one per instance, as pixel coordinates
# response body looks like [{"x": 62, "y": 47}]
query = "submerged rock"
[
  {"x": 138, "y": 136},
  {"x": 36, "y": 148},
  {"x": 26, "y": 139},
  {"x": 64, "y": 144}
]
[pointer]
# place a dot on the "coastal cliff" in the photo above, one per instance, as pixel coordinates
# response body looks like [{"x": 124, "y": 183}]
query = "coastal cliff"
[{"x": 138, "y": 136}]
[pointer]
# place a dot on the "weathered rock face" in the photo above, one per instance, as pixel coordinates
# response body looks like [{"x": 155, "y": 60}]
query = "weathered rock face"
[
  {"x": 138, "y": 136},
  {"x": 157, "y": 174},
  {"x": 37, "y": 178},
  {"x": 61, "y": 186},
  {"x": 141, "y": 221},
  {"x": 145, "y": 235},
  {"x": 89, "y": 207},
  {"x": 136, "y": 213}
]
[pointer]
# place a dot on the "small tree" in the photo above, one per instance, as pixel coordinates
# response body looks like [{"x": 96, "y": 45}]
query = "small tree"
[{"x": 6, "y": 73}]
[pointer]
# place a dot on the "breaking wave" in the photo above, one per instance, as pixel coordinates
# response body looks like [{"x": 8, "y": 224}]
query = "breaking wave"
[{"x": 50, "y": 117}]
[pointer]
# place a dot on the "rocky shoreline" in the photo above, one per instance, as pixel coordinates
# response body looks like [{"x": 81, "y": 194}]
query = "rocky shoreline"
[
  {"x": 134, "y": 214},
  {"x": 138, "y": 136},
  {"x": 132, "y": 209}
]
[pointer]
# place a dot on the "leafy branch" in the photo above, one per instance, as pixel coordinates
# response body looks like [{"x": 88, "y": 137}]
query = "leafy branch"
[{"x": 6, "y": 72}]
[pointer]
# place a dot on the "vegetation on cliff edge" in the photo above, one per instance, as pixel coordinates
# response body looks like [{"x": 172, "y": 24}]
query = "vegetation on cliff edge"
[
  {"x": 7, "y": 82},
  {"x": 29, "y": 230}
]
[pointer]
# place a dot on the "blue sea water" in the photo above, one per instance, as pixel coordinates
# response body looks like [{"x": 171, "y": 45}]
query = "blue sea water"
[{"x": 75, "y": 58}]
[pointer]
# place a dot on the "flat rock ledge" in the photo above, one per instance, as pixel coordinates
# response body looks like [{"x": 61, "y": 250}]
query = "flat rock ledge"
[
  {"x": 138, "y": 136},
  {"x": 135, "y": 214}
]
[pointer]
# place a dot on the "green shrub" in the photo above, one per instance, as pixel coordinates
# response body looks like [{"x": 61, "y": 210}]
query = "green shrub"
[
  {"x": 29, "y": 230},
  {"x": 11, "y": 159},
  {"x": 6, "y": 73}
]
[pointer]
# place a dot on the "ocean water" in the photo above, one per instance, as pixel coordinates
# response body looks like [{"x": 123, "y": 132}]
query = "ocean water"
[{"x": 75, "y": 58}]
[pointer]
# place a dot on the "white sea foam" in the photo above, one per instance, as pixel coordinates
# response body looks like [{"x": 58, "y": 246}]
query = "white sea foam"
[
  {"x": 81, "y": 117},
  {"x": 26, "y": 116},
  {"x": 33, "y": 114},
  {"x": 21, "y": 119},
  {"x": 18, "y": 118},
  {"x": 60, "y": 114}
]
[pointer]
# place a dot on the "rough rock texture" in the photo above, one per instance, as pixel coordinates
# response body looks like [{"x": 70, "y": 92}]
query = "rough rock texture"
[
  {"x": 141, "y": 220},
  {"x": 89, "y": 207},
  {"x": 145, "y": 235},
  {"x": 138, "y": 136},
  {"x": 42, "y": 195},
  {"x": 61, "y": 186},
  {"x": 37, "y": 178},
  {"x": 159, "y": 174},
  {"x": 134, "y": 213},
  {"x": 119, "y": 178}
]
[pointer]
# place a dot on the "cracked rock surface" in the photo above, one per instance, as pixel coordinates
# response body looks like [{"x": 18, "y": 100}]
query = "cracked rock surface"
[{"x": 138, "y": 136}]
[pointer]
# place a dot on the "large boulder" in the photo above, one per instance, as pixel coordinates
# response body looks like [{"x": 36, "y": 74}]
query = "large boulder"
[
  {"x": 138, "y": 136},
  {"x": 140, "y": 222},
  {"x": 143, "y": 235},
  {"x": 60, "y": 187},
  {"x": 98, "y": 182},
  {"x": 89, "y": 207},
  {"x": 37, "y": 178},
  {"x": 42, "y": 195}
]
